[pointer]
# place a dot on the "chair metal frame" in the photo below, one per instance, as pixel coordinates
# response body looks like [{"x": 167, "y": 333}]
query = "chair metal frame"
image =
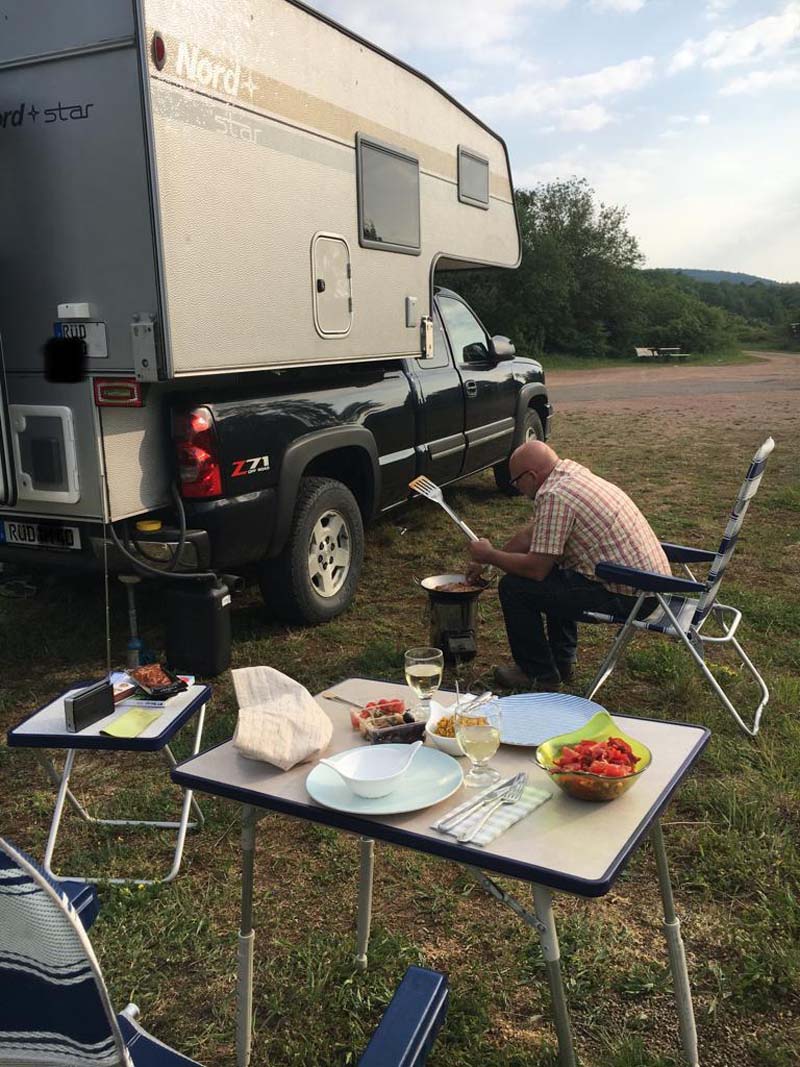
[{"x": 681, "y": 618}]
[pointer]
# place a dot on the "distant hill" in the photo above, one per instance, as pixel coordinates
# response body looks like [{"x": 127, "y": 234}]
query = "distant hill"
[{"x": 732, "y": 276}]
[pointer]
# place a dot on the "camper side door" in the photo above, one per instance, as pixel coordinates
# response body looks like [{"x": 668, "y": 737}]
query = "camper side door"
[{"x": 490, "y": 390}]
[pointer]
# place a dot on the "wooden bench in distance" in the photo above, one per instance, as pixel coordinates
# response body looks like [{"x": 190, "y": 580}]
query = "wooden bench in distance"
[{"x": 646, "y": 353}]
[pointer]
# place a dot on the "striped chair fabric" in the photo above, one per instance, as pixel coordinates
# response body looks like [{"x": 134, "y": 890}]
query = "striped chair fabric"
[{"x": 54, "y": 1006}]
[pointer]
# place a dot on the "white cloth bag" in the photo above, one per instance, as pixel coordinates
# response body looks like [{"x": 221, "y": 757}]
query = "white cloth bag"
[{"x": 279, "y": 721}]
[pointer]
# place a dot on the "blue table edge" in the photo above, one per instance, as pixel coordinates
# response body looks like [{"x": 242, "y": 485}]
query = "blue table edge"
[
  {"x": 88, "y": 741},
  {"x": 367, "y": 826}
]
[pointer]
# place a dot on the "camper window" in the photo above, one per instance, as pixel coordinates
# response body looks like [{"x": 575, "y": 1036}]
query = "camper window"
[
  {"x": 473, "y": 178},
  {"x": 388, "y": 197}
]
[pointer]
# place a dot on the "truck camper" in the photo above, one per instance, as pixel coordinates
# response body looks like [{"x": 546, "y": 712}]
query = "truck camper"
[{"x": 221, "y": 342}]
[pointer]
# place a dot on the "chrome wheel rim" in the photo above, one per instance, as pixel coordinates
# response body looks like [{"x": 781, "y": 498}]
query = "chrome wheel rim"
[{"x": 329, "y": 553}]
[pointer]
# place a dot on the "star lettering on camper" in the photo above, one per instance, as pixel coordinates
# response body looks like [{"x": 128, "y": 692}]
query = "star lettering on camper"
[
  {"x": 254, "y": 465},
  {"x": 33, "y": 111}
]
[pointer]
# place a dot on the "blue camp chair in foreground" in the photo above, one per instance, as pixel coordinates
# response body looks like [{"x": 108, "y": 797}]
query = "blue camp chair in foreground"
[
  {"x": 55, "y": 1009},
  {"x": 682, "y": 616}
]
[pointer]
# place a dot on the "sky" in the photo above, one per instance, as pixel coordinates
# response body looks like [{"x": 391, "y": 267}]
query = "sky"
[{"x": 685, "y": 113}]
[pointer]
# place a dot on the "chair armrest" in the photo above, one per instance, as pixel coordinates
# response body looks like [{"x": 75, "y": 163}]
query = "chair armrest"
[
  {"x": 411, "y": 1022},
  {"x": 645, "y": 581},
  {"x": 684, "y": 554}
]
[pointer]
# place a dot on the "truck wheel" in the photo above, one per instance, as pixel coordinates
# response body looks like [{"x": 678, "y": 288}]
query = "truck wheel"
[
  {"x": 531, "y": 431},
  {"x": 315, "y": 576}
]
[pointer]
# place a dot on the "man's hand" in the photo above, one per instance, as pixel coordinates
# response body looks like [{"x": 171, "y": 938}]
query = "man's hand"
[{"x": 481, "y": 550}]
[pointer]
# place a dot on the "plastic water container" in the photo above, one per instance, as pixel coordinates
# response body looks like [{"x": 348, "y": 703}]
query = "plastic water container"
[{"x": 198, "y": 639}]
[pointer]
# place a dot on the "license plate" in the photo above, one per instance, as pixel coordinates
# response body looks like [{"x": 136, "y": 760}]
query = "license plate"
[
  {"x": 93, "y": 333},
  {"x": 36, "y": 535}
]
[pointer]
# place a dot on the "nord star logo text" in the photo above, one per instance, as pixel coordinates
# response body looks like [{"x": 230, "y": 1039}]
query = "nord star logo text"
[
  {"x": 43, "y": 116},
  {"x": 193, "y": 65}
]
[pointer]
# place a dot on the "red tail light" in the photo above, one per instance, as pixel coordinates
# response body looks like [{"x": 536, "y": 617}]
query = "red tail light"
[{"x": 198, "y": 454}]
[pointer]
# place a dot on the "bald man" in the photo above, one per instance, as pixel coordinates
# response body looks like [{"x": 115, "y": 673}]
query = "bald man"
[{"x": 578, "y": 520}]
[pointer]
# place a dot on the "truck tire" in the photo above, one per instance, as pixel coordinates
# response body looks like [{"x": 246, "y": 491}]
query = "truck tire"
[
  {"x": 315, "y": 576},
  {"x": 531, "y": 431}
]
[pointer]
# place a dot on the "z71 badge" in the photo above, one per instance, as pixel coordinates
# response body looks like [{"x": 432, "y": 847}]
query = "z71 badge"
[{"x": 254, "y": 465}]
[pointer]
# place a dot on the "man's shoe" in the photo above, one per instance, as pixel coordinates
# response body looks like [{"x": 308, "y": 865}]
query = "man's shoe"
[
  {"x": 515, "y": 678},
  {"x": 566, "y": 669}
]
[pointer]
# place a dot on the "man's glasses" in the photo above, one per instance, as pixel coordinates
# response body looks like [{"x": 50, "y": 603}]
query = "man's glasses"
[{"x": 513, "y": 481}]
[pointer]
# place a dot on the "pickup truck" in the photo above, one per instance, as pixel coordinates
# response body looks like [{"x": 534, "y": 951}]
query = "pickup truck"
[{"x": 279, "y": 472}]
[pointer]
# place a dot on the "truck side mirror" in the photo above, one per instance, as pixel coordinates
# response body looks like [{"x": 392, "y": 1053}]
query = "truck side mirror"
[{"x": 500, "y": 349}]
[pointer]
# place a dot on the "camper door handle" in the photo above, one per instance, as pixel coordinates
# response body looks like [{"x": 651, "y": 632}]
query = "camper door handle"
[
  {"x": 320, "y": 285},
  {"x": 471, "y": 388}
]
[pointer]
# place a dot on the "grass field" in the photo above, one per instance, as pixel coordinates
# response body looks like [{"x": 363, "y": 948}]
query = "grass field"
[{"x": 732, "y": 831}]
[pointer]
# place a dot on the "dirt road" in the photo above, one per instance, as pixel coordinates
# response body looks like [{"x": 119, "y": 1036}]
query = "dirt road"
[{"x": 768, "y": 389}]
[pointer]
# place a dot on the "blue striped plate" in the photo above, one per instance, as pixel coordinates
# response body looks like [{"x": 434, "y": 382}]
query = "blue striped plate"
[{"x": 531, "y": 718}]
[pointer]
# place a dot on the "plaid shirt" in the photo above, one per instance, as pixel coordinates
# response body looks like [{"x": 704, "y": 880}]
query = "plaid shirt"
[{"x": 582, "y": 519}]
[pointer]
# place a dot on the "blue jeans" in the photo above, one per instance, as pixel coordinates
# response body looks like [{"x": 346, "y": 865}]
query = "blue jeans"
[{"x": 560, "y": 599}]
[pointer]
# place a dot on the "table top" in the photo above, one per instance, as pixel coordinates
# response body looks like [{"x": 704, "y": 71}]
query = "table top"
[
  {"x": 567, "y": 844},
  {"x": 46, "y": 727}
]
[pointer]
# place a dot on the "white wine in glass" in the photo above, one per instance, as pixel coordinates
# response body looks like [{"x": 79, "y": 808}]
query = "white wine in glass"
[
  {"x": 424, "y": 667},
  {"x": 478, "y": 733}
]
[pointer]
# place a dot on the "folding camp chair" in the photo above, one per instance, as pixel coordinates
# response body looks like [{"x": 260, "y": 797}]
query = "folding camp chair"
[
  {"x": 683, "y": 617},
  {"x": 54, "y": 1006},
  {"x": 55, "y": 1010}
]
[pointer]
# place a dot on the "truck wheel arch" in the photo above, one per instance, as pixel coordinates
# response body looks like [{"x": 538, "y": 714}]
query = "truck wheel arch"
[
  {"x": 533, "y": 395},
  {"x": 307, "y": 455}
]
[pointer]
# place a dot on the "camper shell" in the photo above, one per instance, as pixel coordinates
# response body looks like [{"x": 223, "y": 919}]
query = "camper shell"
[{"x": 199, "y": 196}]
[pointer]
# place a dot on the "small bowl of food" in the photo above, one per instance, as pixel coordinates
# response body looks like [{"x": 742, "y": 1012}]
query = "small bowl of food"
[
  {"x": 442, "y": 732},
  {"x": 597, "y": 762}
]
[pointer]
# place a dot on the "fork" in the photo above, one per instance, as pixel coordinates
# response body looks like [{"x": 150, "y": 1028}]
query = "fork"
[
  {"x": 511, "y": 796},
  {"x": 425, "y": 487},
  {"x": 446, "y": 824}
]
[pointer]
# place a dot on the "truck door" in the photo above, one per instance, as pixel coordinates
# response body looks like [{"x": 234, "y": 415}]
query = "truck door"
[
  {"x": 441, "y": 437},
  {"x": 489, "y": 387}
]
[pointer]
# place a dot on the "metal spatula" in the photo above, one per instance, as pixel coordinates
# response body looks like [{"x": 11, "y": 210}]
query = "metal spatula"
[{"x": 425, "y": 487}]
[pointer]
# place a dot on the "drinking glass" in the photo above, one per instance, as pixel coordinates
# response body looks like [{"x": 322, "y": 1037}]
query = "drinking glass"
[
  {"x": 478, "y": 733},
  {"x": 424, "y": 668}
]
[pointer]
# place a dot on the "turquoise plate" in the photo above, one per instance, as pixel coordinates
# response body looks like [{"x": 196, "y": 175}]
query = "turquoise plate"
[{"x": 433, "y": 776}]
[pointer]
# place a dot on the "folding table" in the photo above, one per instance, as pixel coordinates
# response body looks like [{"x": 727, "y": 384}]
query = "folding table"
[
  {"x": 566, "y": 844},
  {"x": 46, "y": 729}
]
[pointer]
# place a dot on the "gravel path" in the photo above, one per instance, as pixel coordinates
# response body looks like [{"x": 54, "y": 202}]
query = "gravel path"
[{"x": 766, "y": 389}]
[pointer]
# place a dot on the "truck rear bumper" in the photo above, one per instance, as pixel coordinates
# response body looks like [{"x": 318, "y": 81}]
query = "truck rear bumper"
[{"x": 221, "y": 534}]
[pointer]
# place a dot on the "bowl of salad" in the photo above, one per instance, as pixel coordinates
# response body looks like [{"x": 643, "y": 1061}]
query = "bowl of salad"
[{"x": 598, "y": 762}]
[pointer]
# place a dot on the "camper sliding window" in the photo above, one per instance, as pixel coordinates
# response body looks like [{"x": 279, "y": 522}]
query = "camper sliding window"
[
  {"x": 388, "y": 197},
  {"x": 473, "y": 178}
]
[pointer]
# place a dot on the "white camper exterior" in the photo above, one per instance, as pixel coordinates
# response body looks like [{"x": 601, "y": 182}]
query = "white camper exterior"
[{"x": 209, "y": 188}]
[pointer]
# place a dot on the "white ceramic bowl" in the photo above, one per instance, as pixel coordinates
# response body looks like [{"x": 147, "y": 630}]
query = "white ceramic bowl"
[
  {"x": 373, "y": 771},
  {"x": 449, "y": 745}
]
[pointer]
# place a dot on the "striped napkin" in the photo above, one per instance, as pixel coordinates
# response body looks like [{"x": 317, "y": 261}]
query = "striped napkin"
[{"x": 500, "y": 820}]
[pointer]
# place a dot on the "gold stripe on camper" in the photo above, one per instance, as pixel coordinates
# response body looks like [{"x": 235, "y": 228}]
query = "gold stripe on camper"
[{"x": 255, "y": 92}]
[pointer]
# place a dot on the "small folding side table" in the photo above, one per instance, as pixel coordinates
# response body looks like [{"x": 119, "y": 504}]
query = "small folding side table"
[{"x": 46, "y": 729}]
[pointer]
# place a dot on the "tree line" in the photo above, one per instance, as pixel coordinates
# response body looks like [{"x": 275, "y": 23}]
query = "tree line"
[{"x": 580, "y": 288}]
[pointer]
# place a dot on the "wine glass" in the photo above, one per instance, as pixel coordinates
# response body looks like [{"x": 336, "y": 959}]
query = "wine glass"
[
  {"x": 478, "y": 733},
  {"x": 424, "y": 668}
]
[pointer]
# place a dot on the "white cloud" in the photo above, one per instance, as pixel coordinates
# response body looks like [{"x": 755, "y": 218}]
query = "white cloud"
[
  {"x": 538, "y": 97},
  {"x": 620, "y": 7},
  {"x": 701, "y": 119},
  {"x": 589, "y": 117},
  {"x": 756, "y": 41},
  {"x": 487, "y": 33},
  {"x": 758, "y": 80}
]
